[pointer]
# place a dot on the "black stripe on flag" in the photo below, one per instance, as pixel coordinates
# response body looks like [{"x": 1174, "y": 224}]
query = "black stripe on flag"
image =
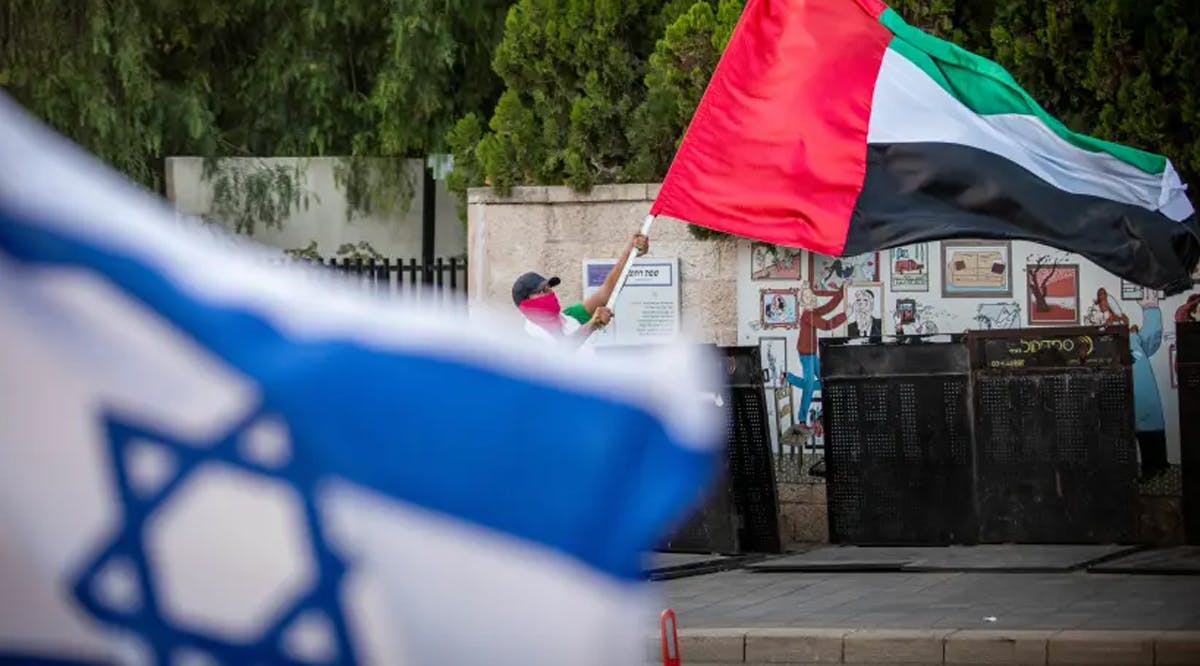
[{"x": 917, "y": 192}]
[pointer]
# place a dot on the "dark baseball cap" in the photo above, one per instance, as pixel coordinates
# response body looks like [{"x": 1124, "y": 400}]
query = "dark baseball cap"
[{"x": 529, "y": 283}]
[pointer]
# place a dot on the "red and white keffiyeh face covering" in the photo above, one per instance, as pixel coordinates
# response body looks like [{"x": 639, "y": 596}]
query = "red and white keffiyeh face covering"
[{"x": 544, "y": 311}]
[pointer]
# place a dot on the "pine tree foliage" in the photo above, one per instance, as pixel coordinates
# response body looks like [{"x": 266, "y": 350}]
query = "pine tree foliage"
[
  {"x": 134, "y": 81},
  {"x": 1123, "y": 70},
  {"x": 518, "y": 91}
]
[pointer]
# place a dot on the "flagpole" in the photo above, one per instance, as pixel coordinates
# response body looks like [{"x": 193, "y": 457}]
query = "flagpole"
[{"x": 612, "y": 299}]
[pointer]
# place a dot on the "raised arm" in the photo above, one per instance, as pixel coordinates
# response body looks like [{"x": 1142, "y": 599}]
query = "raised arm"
[
  {"x": 835, "y": 301},
  {"x": 602, "y": 294},
  {"x": 1150, "y": 336},
  {"x": 829, "y": 325}
]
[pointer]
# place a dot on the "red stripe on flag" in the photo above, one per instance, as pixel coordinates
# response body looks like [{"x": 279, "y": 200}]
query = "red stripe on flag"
[{"x": 777, "y": 148}]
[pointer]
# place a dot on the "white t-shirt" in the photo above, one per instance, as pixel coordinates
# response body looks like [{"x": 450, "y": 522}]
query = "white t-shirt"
[{"x": 569, "y": 327}]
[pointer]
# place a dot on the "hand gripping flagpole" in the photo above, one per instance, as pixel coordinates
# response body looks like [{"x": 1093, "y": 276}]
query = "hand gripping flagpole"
[{"x": 612, "y": 299}]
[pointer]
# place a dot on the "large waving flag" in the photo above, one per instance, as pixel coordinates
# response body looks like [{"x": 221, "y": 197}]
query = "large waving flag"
[
  {"x": 205, "y": 459},
  {"x": 834, "y": 126}
]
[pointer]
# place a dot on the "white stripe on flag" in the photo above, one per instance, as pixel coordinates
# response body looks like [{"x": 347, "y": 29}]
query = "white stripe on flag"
[
  {"x": 910, "y": 107},
  {"x": 39, "y": 168},
  {"x": 204, "y": 457}
]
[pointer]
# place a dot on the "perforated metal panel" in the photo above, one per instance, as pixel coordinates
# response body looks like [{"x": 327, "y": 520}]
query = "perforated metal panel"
[
  {"x": 897, "y": 438},
  {"x": 750, "y": 463},
  {"x": 1187, "y": 336},
  {"x": 1055, "y": 453},
  {"x": 712, "y": 528},
  {"x": 741, "y": 513},
  {"x": 713, "y": 525},
  {"x": 1031, "y": 441}
]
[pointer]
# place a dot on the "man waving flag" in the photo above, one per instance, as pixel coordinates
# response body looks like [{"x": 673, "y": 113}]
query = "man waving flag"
[
  {"x": 206, "y": 459},
  {"x": 834, "y": 126}
]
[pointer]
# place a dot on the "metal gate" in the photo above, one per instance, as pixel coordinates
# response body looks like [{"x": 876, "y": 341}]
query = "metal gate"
[
  {"x": 1187, "y": 360},
  {"x": 897, "y": 438},
  {"x": 1021, "y": 436},
  {"x": 1055, "y": 453}
]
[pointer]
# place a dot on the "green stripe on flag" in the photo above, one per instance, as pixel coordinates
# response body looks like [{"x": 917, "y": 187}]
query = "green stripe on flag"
[{"x": 988, "y": 89}]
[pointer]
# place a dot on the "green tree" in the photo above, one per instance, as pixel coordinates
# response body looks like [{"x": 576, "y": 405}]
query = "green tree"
[
  {"x": 676, "y": 76},
  {"x": 572, "y": 73},
  {"x": 135, "y": 81},
  {"x": 1122, "y": 70}
]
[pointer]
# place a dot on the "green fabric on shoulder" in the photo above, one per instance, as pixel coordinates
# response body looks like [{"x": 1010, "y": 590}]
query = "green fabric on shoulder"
[{"x": 578, "y": 313}]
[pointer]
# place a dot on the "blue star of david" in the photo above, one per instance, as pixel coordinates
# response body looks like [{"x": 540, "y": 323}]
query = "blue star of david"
[{"x": 127, "y": 548}]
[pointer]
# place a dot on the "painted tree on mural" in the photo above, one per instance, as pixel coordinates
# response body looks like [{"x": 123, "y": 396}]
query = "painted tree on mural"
[{"x": 1042, "y": 271}]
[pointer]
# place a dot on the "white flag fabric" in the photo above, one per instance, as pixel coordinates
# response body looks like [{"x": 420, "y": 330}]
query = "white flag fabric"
[{"x": 208, "y": 458}]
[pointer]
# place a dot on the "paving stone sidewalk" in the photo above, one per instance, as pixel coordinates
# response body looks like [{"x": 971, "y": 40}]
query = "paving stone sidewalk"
[{"x": 1049, "y": 601}]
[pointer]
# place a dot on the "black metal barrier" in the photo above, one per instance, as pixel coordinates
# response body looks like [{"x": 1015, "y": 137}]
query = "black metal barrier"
[
  {"x": 741, "y": 512},
  {"x": 1055, "y": 454},
  {"x": 897, "y": 440},
  {"x": 997, "y": 436},
  {"x": 751, "y": 470},
  {"x": 1187, "y": 368}
]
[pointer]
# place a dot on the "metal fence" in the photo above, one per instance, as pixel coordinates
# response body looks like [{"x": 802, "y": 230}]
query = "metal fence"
[{"x": 399, "y": 277}]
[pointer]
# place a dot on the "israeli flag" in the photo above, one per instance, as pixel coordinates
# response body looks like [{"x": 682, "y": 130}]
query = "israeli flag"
[{"x": 207, "y": 458}]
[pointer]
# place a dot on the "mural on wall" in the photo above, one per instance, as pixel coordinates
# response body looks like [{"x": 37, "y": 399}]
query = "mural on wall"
[
  {"x": 910, "y": 268},
  {"x": 774, "y": 352},
  {"x": 1105, "y": 311},
  {"x": 864, "y": 311},
  {"x": 1130, "y": 291},
  {"x": 996, "y": 316},
  {"x": 778, "y": 308},
  {"x": 1144, "y": 342},
  {"x": 1149, "y": 424},
  {"x": 774, "y": 262},
  {"x": 1069, "y": 285},
  {"x": 973, "y": 269},
  {"x": 1052, "y": 292},
  {"x": 815, "y": 317},
  {"x": 827, "y": 275},
  {"x": 1190, "y": 310},
  {"x": 816, "y": 437},
  {"x": 911, "y": 317}
]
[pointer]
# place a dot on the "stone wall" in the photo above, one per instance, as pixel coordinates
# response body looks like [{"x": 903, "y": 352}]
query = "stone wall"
[
  {"x": 803, "y": 517},
  {"x": 396, "y": 235},
  {"x": 551, "y": 230}
]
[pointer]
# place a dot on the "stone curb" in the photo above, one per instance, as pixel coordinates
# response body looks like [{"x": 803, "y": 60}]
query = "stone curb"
[{"x": 933, "y": 647}]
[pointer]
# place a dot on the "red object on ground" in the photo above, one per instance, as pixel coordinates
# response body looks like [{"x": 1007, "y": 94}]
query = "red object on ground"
[{"x": 670, "y": 638}]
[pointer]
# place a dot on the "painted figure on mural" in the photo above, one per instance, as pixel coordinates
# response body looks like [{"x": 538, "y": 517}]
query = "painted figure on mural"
[
  {"x": 812, "y": 320},
  {"x": 1108, "y": 311},
  {"x": 1190, "y": 310},
  {"x": 1144, "y": 341},
  {"x": 864, "y": 316}
]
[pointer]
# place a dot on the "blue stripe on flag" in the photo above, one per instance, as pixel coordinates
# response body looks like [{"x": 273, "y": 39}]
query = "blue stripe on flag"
[{"x": 590, "y": 477}]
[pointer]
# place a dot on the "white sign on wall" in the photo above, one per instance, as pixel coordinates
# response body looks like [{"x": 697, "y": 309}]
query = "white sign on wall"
[{"x": 647, "y": 311}]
